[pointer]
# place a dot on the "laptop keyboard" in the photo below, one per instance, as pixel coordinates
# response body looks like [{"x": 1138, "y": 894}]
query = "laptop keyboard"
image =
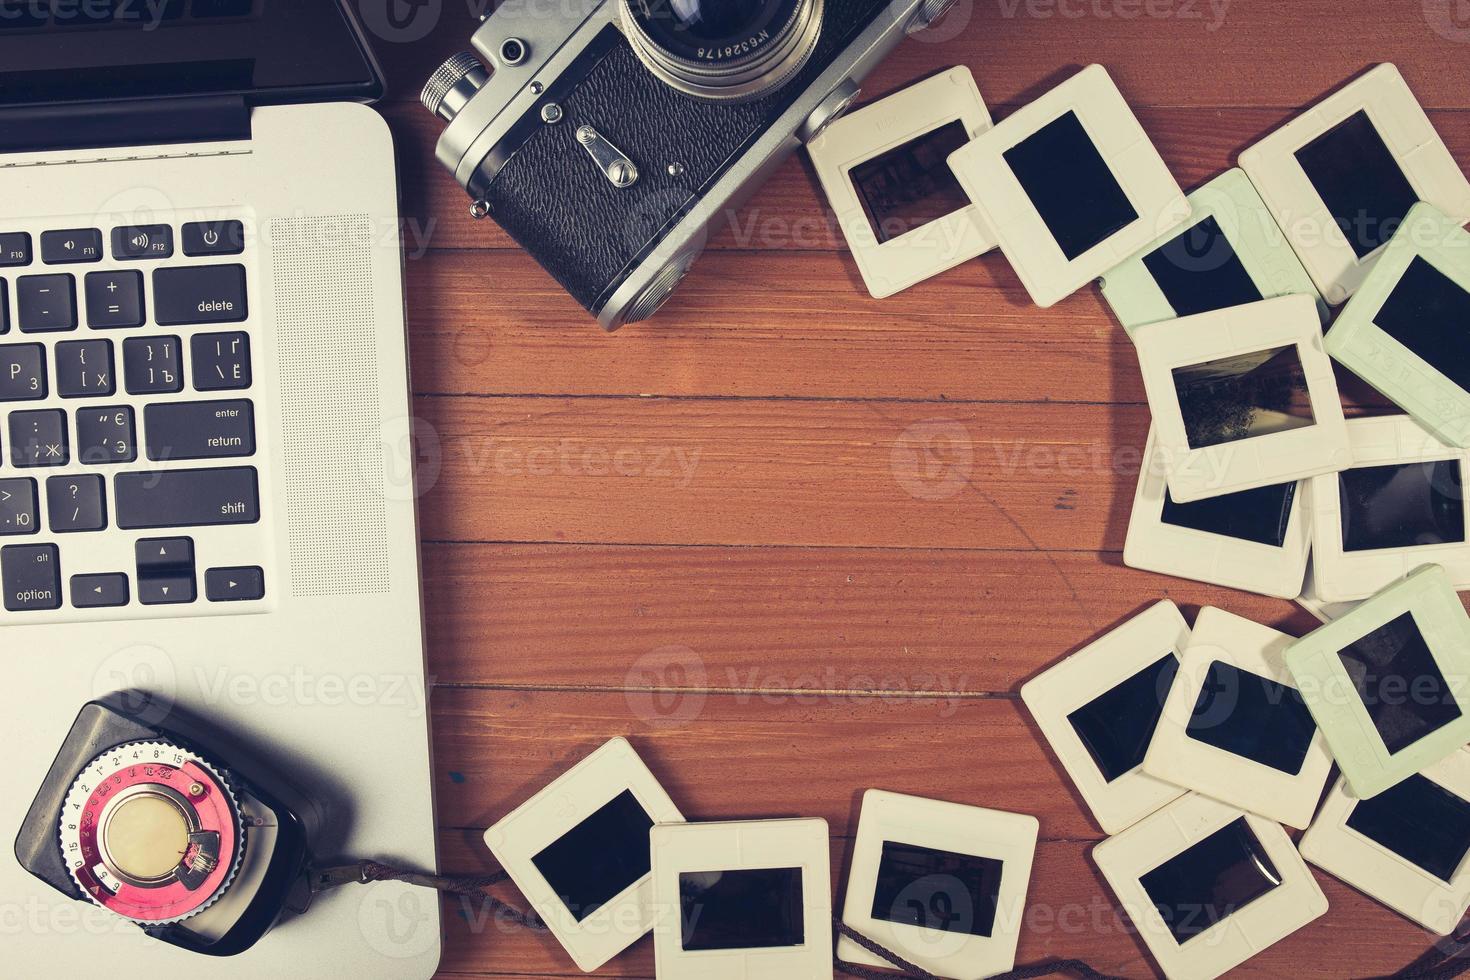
[{"x": 129, "y": 472}]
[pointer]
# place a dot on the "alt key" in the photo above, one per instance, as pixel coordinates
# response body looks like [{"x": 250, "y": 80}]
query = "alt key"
[{"x": 234, "y": 584}]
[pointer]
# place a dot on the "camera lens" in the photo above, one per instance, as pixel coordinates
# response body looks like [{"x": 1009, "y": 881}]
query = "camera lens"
[{"x": 724, "y": 50}]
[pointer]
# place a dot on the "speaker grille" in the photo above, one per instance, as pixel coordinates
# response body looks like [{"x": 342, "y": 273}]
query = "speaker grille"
[{"x": 327, "y": 337}]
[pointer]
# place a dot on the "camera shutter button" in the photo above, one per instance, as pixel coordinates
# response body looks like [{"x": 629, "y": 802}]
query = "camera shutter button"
[{"x": 829, "y": 110}]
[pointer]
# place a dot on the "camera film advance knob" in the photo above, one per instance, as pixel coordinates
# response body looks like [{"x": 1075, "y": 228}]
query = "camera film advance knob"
[
  {"x": 454, "y": 84},
  {"x": 152, "y": 832},
  {"x": 929, "y": 12}
]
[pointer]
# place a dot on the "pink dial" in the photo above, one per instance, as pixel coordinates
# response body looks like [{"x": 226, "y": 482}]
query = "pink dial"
[{"x": 152, "y": 832}]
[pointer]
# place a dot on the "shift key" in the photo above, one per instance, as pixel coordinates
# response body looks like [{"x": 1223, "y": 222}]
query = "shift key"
[
  {"x": 186, "y": 498},
  {"x": 200, "y": 430},
  {"x": 199, "y": 294}
]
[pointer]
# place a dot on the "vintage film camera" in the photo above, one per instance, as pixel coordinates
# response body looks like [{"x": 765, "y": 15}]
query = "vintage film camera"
[
  {"x": 606, "y": 135},
  {"x": 148, "y": 821}
]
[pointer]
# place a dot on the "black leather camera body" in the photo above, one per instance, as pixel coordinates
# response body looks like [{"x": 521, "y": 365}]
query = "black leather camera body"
[{"x": 606, "y": 141}]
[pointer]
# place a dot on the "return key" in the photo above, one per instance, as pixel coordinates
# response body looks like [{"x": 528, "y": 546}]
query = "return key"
[{"x": 199, "y": 430}]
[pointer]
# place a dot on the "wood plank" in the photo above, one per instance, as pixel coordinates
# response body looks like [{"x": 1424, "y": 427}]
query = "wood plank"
[
  {"x": 726, "y": 757},
  {"x": 790, "y": 212},
  {"x": 657, "y": 471},
  {"x": 772, "y": 621},
  {"x": 975, "y": 339},
  {"x": 1163, "y": 52},
  {"x": 500, "y": 327}
]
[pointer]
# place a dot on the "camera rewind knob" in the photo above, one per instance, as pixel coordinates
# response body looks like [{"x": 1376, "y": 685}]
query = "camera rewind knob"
[{"x": 453, "y": 84}]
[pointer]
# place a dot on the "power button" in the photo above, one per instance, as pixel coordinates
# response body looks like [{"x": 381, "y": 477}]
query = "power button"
[{"x": 214, "y": 238}]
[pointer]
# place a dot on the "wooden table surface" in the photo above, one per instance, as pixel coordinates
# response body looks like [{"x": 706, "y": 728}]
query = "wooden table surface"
[{"x": 795, "y": 542}]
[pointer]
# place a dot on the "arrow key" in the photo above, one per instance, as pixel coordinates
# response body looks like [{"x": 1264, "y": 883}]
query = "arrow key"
[
  {"x": 99, "y": 591},
  {"x": 234, "y": 584},
  {"x": 166, "y": 591},
  {"x": 165, "y": 571}
]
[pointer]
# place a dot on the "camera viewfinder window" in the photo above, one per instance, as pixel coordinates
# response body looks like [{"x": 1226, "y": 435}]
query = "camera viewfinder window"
[
  {"x": 1402, "y": 687},
  {"x": 919, "y": 886},
  {"x": 1421, "y": 822},
  {"x": 1261, "y": 516},
  {"x": 1402, "y": 506},
  {"x": 912, "y": 185},
  {"x": 1211, "y": 881},
  {"x": 760, "y": 909},
  {"x": 1253, "y": 717},
  {"x": 1199, "y": 271},
  {"x": 599, "y": 858},
  {"x": 1117, "y": 726},
  {"x": 1429, "y": 314},
  {"x": 1357, "y": 177},
  {"x": 1071, "y": 185},
  {"x": 1241, "y": 397}
]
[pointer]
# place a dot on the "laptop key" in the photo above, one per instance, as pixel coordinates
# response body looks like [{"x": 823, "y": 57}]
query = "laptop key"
[
  {"x": 73, "y": 245},
  {"x": 199, "y": 294},
  {"x": 106, "y": 591},
  {"x": 114, "y": 299},
  {"x": 214, "y": 238},
  {"x": 31, "y": 577},
  {"x": 46, "y": 304},
  {"x": 151, "y": 365},
  {"x": 106, "y": 435},
  {"x": 234, "y": 584},
  {"x": 221, "y": 361},
  {"x": 4, "y": 308},
  {"x": 39, "y": 438},
  {"x": 22, "y": 373},
  {"x": 18, "y": 507},
  {"x": 76, "y": 503},
  {"x": 199, "y": 430},
  {"x": 187, "y": 498},
  {"x": 84, "y": 369},
  {"x": 165, "y": 571},
  {"x": 143, "y": 242},
  {"x": 15, "y": 248}
]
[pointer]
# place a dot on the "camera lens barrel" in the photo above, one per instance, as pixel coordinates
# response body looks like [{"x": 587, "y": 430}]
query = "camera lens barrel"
[{"x": 723, "y": 50}]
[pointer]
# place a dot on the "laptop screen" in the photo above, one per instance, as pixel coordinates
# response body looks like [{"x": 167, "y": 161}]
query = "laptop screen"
[{"x": 270, "y": 51}]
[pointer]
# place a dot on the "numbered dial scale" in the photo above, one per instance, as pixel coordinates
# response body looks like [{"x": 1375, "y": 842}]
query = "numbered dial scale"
[
  {"x": 152, "y": 832},
  {"x": 141, "y": 814}
]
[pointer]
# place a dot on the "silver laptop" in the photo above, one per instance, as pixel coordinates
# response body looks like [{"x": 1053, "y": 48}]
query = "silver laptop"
[{"x": 205, "y": 479}]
